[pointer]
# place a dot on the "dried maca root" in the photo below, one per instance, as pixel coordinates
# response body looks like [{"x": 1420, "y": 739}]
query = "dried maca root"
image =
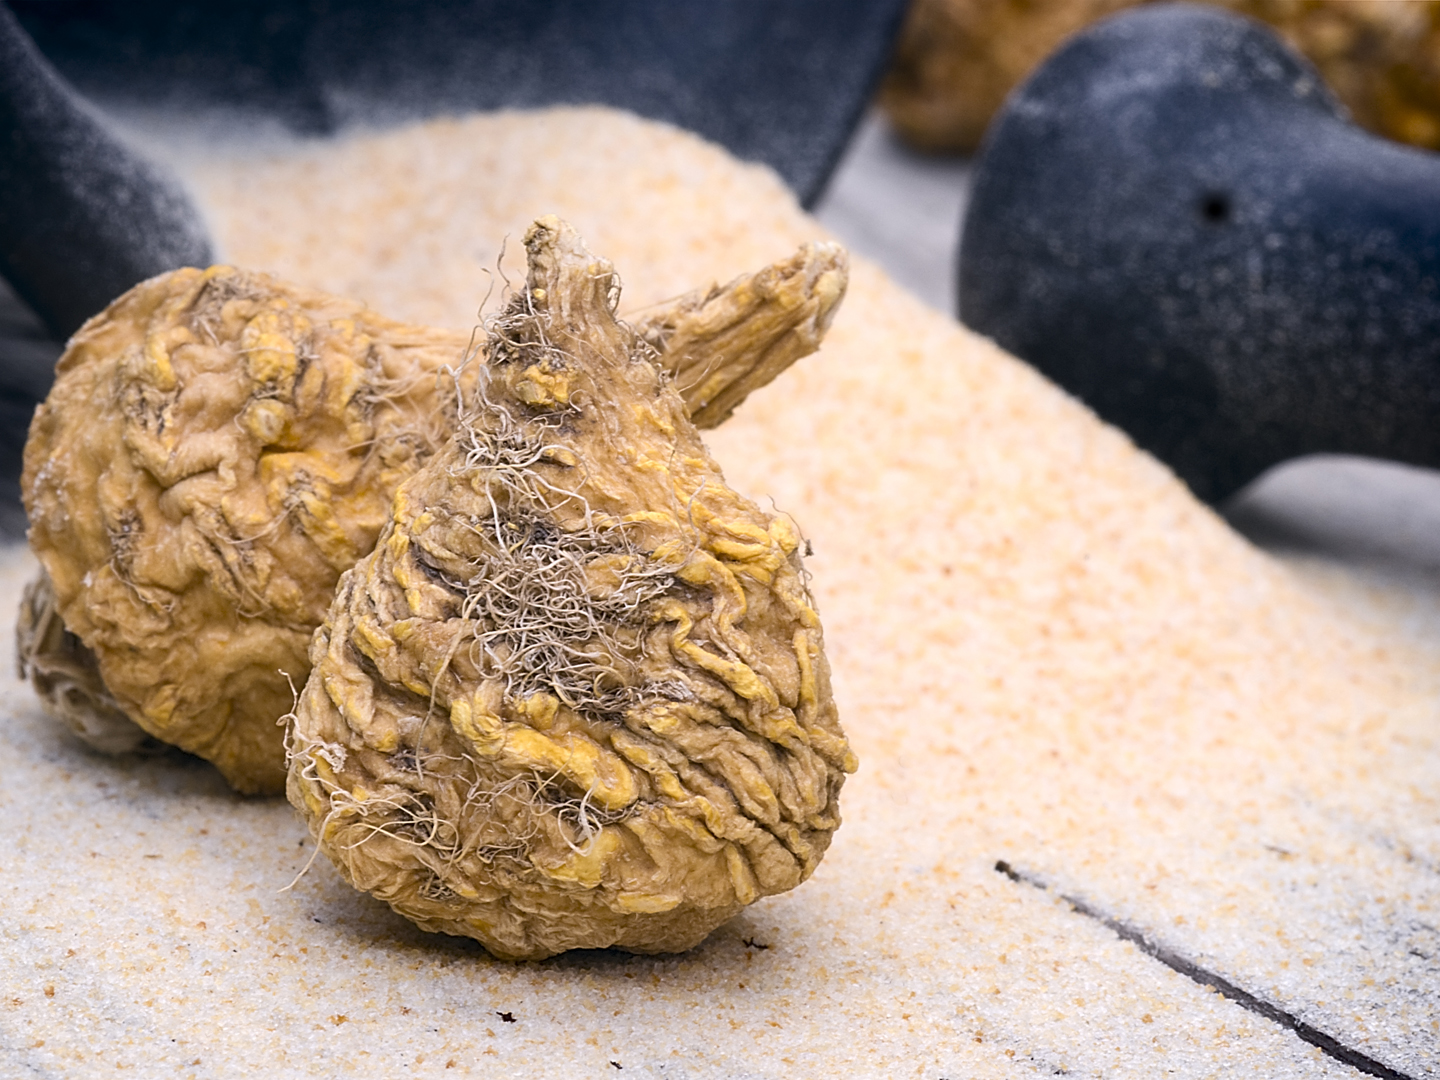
[
  {"x": 577, "y": 696},
  {"x": 219, "y": 446},
  {"x": 216, "y": 449}
]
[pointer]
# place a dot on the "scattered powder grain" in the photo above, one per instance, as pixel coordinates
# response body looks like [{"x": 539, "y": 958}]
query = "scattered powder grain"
[{"x": 1044, "y": 652}]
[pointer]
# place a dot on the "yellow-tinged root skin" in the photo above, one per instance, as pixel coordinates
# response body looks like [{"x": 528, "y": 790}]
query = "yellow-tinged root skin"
[
  {"x": 577, "y": 697},
  {"x": 217, "y": 448}
]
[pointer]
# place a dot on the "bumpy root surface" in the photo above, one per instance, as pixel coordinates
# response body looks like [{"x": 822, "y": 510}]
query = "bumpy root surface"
[
  {"x": 577, "y": 696},
  {"x": 219, "y": 446},
  {"x": 216, "y": 449}
]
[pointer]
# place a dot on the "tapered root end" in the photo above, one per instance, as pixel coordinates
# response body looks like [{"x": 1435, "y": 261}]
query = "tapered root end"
[{"x": 723, "y": 343}]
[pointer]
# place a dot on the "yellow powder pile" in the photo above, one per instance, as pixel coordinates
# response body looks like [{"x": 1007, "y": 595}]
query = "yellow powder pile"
[{"x": 1045, "y": 652}]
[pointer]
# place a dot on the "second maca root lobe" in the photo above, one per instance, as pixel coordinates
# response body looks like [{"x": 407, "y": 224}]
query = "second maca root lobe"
[
  {"x": 219, "y": 446},
  {"x": 577, "y": 697}
]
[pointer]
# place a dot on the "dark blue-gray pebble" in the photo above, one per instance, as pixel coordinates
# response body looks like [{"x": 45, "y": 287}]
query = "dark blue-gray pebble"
[{"x": 1173, "y": 219}]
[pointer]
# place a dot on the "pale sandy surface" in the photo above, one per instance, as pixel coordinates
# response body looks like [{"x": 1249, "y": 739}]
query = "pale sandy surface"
[{"x": 1045, "y": 652}]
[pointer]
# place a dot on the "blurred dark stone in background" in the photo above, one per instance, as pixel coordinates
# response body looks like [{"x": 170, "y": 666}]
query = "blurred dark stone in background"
[
  {"x": 82, "y": 216},
  {"x": 1174, "y": 220}
]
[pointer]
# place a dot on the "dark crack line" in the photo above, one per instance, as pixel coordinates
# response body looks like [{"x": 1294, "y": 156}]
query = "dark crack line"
[{"x": 1193, "y": 971}]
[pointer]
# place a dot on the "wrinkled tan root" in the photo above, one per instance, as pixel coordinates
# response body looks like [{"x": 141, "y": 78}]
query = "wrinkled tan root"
[{"x": 577, "y": 696}]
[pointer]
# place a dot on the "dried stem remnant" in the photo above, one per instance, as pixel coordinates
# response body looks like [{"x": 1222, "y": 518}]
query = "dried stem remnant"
[
  {"x": 577, "y": 695},
  {"x": 721, "y": 344},
  {"x": 219, "y": 446}
]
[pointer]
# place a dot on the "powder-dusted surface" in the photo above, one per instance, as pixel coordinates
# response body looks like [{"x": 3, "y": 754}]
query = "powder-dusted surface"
[{"x": 1044, "y": 652}]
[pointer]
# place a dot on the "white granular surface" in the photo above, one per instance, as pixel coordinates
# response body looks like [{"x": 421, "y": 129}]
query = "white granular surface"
[{"x": 1045, "y": 652}]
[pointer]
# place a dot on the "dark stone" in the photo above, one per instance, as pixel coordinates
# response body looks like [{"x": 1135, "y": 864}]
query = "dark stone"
[
  {"x": 82, "y": 217},
  {"x": 778, "y": 81},
  {"x": 1174, "y": 220}
]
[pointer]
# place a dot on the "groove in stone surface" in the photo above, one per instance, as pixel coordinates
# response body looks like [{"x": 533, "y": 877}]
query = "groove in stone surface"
[{"x": 1175, "y": 962}]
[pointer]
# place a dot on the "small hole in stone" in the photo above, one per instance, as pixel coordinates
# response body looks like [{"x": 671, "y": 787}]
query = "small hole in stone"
[{"x": 1215, "y": 207}]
